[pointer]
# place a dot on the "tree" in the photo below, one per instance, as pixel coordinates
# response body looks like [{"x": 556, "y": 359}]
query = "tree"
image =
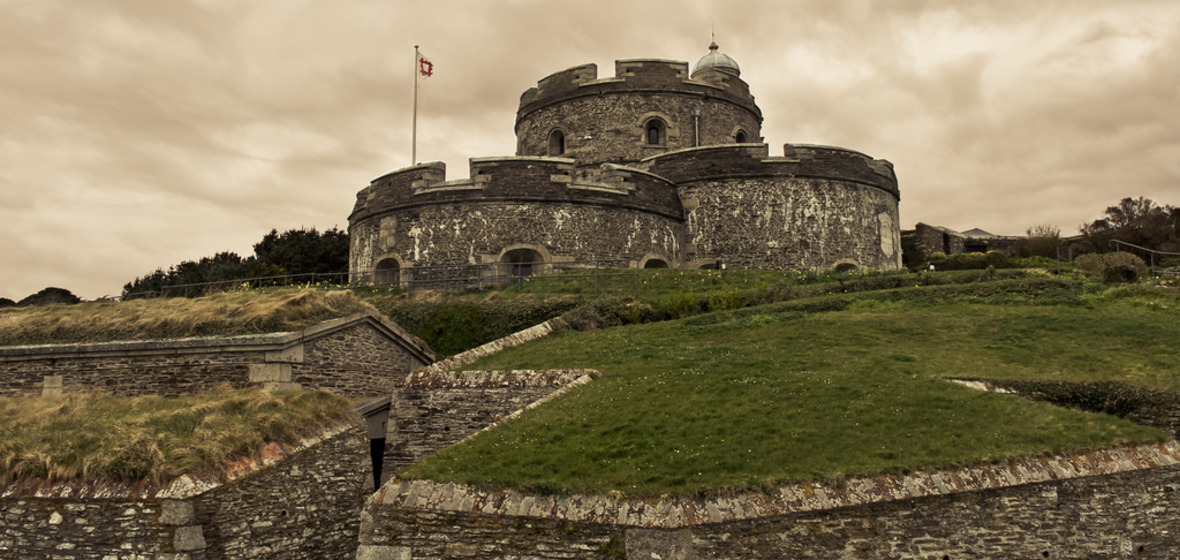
[
  {"x": 49, "y": 296},
  {"x": 222, "y": 267},
  {"x": 296, "y": 251},
  {"x": 1138, "y": 221},
  {"x": 1040, "y": 241},
  {"x": 305, "y": 251}
]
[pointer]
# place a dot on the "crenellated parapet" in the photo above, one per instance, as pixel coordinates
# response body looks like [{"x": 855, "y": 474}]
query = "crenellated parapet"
[
  {"x": 519, "y": 179},
  {"x": 802, "y": 161},
  {"x": 658, "y": 165},
  {"x": 575, "y": 114}
]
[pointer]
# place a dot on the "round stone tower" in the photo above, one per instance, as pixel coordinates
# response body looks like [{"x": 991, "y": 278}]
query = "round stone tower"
[
  {"x": 654, "y": 167},
  {"x": 649, "y": 108}
]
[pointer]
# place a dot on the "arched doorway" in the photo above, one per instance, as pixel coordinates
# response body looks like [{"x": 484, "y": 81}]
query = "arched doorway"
[
  {"x": 521, "y": 262},
  {"x": 655, "y": 263},
  {"x": 388, "y": 272}
]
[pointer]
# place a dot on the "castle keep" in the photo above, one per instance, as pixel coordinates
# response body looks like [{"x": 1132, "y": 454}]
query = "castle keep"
[{"x": 654, "y": 167}]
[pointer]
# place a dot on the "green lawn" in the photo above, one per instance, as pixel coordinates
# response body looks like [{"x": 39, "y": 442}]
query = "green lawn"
[{"x": 769, "y": 395}]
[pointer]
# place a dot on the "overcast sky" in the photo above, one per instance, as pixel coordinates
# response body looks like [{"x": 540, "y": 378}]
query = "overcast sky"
[{"x": 135, "y": 134}]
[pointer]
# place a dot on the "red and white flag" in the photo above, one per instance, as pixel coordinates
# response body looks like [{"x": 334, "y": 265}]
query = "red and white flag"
[{"x": 425, "y": 67}]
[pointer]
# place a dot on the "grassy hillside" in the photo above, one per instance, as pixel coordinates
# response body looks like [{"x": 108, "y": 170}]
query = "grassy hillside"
[
  {"x": 96, "y": 437},
  {"x": 824, "y": 388},
  {"x": 231, "y": 313}
]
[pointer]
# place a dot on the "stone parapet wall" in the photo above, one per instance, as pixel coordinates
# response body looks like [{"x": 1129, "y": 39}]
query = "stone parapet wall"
[
  {"x": 434, "y": 410},
  {"x": 518, "y": 179},
  {"x": 791, "y": 223},
  {"x": 603, "y": 117},
  {"x": 298, "y": 501},
  {"x": 359, "y": 355},
  {"x": 1105, "y": 503}
]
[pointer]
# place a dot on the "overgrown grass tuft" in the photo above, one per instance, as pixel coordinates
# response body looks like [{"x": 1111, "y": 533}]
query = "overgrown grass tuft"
[
  {"x": 230, "y": 313},
  {"x": 93, "y": 436},
  {"x": 811, "y": 390}
]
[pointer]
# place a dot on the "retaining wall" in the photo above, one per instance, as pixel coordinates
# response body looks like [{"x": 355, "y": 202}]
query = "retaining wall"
[
  {"x": 1105, "y": 504},
  {"x": 353, "y": 356},
  {"x": 297, "y": 501}
]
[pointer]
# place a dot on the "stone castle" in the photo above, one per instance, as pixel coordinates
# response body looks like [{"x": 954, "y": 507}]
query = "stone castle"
[{"x": 654, "y": 167}]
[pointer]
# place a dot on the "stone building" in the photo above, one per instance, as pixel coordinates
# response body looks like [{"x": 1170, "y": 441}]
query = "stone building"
[{"x": 654, "y": 167}]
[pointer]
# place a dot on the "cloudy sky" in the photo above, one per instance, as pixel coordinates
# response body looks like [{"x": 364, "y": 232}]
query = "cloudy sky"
[{"x": 135, "y": 134}]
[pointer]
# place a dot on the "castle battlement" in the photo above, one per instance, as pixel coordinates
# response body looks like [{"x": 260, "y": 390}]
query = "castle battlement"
[{"x": 657, "y": 165}]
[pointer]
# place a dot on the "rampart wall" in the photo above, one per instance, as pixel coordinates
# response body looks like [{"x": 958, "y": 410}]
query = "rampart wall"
[
  {"x": 436, "y": 407},
  {"x": 1104, "y": 504},
  {"x": 417, "y": 218},
  {"x": 296, "y": 502},
  {"x": 815, "y": 207},
  {"x": 603, "y": 120},
  {"x": 350, "y": 356}
]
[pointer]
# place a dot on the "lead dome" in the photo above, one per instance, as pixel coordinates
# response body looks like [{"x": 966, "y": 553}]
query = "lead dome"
[{"x": 716, "y": 59}]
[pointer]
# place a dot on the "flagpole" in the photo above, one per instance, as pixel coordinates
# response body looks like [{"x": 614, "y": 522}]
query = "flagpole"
[{"x": 414, "y": 125}]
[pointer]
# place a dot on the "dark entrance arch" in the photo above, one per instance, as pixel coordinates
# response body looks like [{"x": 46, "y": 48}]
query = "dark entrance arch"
[
  {"x": 655, "y": 263},
  {"x": 388, "y": 272},
  {"x": 521, "y": 262}
]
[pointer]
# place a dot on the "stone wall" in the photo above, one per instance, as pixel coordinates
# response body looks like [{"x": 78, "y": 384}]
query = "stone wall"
[
  {"x": 433, "y": 410},
  {"x": 815, "y": 208},
  {"x": 603, "y": 120},
  {"x": 1115, "y": 503},
  {"x": 357, "y": 361},
  {"x": 416, "y": 218},
  {"x": 353, "y": 356},
  {"x": 298, "y": 501}
]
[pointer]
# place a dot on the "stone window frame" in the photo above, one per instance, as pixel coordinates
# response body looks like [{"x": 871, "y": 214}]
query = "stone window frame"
[
  {"x": 558, "y": 135},
  {"x": 667, "y": 130},
  {"x": 736, "y": 134}
]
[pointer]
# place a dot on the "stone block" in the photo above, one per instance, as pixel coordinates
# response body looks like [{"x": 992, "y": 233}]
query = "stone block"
[
  {"x": 263, "y": 373},
  {"x": 176, "y": 512},
  {"x": 188, "y": 538},
  {"x": 52, "y": 386},
  {"x": 378, "y": 552}
]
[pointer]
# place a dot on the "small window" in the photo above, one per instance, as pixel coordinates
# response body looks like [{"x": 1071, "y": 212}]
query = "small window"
[
  {"x": 740, "y": 137},
  {"x": 654, "y": 132},
  {"x": 556, "y": 143}
]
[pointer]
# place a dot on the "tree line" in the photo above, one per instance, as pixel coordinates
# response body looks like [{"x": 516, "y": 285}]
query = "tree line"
[{"x": 296, "y": 251}]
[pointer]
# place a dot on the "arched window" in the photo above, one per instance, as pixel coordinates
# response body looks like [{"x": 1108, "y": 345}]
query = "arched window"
[
  {"x": 556, "y": 143},
  {"x": 740, "y": 137},
  {"x": 520, "y": 262},
  {"x": 387, "y": 272},
  {"x": 654, "y": 132}
]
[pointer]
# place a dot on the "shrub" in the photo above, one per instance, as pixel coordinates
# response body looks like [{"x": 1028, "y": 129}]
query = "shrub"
[{"x": 1112, "y": 267}]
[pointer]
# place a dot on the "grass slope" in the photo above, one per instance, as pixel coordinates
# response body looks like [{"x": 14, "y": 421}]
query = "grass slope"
[
  {"x": 770, "y": 395},
  {"x": 230, "y": 313},
  {"x": 96, "y": 437}
]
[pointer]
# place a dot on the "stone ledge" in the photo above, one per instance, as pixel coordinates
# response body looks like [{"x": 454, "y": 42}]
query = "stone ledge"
[{"x": 678, "y": 512}]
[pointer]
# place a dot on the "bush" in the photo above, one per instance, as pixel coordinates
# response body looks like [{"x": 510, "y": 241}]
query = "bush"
[{"x": 1112, "y": 267}]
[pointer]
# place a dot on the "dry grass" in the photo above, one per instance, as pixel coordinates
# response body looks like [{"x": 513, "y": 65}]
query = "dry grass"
[
  {"x": 231, "y": 313},
  {"x": 96, "y": 437}
]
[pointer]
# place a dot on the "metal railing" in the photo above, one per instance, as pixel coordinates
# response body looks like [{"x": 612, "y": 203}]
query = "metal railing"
[
  {"x": 602, "y": 276},
  {"x": 1151, "y": 257}
]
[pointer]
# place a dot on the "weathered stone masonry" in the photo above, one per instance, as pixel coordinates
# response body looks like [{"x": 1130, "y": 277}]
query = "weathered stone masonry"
[
  {"x": 1106, "y": 504},
  {"x": 287, "y": 502},
  {"x": 360, "y": 355},
  {"x": 654, "y": 166}
]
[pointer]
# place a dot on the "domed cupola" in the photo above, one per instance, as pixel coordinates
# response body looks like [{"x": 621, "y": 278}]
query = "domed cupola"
[{"x": 716, "y": 60}]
